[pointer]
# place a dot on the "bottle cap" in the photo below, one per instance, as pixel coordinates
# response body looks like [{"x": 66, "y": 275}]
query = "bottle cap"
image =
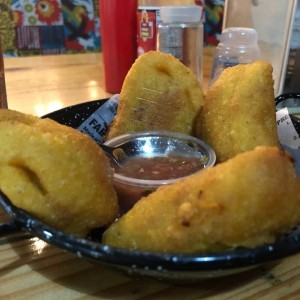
[
  {"x": 239, "y": 35},
  {"x": 188, "y": 14}
]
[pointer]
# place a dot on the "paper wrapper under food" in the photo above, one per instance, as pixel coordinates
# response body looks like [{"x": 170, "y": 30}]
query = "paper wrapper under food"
[
  {"x": 288, "y": 136},
  {"x": 97, "y": 125}
]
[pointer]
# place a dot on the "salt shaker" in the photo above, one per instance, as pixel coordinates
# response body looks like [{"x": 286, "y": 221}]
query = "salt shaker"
[
  {"x": 180, "y": 33},
  {"x": 3, "y": 100},
  {"x": 238, "y": 45}
]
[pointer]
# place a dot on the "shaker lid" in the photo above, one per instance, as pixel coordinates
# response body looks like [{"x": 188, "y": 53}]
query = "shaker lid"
[
  {"x": 189, "y": 14},
  {"x": 239, "y": 35}
]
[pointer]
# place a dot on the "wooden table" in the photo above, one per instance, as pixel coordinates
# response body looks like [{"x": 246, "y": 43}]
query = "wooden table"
[{"x": 32, "y": 269}]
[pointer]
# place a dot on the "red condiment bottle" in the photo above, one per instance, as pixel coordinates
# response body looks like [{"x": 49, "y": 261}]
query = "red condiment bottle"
[{"x": 118, "y": 36}]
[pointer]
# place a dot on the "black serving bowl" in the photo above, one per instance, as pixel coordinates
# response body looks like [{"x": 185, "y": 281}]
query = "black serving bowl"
[{"x": 175, "y": 267}]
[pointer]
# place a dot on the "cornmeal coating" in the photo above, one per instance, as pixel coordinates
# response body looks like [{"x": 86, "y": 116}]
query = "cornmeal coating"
[
  {"x": 158, "y": 93},
  {"x": 56, "y": 173},
  {"x": 239, "y": 111},
  {"x": 247, "y": 201}
]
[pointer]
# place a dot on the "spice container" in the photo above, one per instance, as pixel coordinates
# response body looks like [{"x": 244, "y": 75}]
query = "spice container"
[
  {"x": 180, "y": 33},
  {"x": 148, "y": 18},
  {"x": 238, "y": 45}
]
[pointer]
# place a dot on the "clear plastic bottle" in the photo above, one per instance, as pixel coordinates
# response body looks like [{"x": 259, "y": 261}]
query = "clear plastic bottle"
[
  {"x": 148, "y": 18},
  {"x": 180, "y": 33},
  {"x": 238, "y": 45}
]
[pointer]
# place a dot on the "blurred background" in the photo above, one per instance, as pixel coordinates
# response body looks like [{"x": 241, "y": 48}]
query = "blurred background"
[
  {"x": 47, "y": 27},
  {"x": 36, "y": 27}
]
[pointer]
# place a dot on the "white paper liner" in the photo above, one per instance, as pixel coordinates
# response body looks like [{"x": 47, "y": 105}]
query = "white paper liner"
[
  {"x": 288, "y": 136},
  {"x": 96, "y": 126},
  {"x": 286, "y": 131}
]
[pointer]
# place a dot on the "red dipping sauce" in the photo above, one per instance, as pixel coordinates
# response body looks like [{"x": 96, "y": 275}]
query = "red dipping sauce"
[
  {"x": 156, "y": 158},
  {"x": 138, "y": 176},
  {"x": 159, "y": 168}
]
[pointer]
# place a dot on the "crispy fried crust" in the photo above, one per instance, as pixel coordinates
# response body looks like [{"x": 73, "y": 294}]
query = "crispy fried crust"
[
  {"x": 239, "y": 111},
  {"x": 55, "y": 173},
  {"x": 159, "y": 93},
  {"x": 247, "y": 201}
]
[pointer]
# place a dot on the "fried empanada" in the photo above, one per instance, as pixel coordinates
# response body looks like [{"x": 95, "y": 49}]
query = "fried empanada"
[
  {"x": 158, "y": 93},
  {"x": 247, "y": 201},
  {"x": 239, "y": 111},
  {"x": 56, "y": 173}
]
